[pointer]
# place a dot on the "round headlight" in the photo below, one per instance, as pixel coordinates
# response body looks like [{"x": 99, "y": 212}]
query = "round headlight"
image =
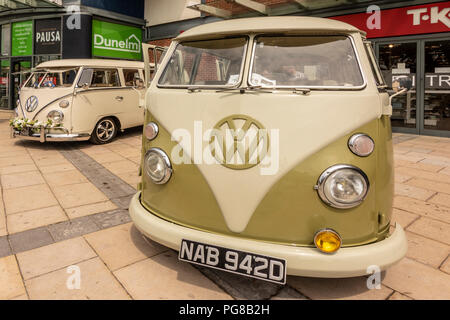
[
  {"x": 56, "y": 116},
  {"x": 343, "y": 186},
  {"x": 64, "y": 104},
  {"x": 151, "y": 131},
  {"x": 157, "y": 166},
  {"x": 361, "y": 144}
]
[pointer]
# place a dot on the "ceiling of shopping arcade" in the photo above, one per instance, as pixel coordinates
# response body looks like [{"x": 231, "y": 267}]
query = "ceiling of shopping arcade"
[{"x": 228, "y": 9}]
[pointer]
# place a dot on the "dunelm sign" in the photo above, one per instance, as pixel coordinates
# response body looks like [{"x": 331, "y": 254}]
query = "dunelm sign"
[{"x": 111, "y": 40}]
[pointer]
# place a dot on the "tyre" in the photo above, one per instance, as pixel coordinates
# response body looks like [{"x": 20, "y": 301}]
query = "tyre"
[{"x": 105, "y": 131}]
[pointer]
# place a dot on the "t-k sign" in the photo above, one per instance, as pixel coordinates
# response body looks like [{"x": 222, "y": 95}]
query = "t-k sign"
[
  {"x": 430, "y": 18},
  {"x": 433, "y": 15}
]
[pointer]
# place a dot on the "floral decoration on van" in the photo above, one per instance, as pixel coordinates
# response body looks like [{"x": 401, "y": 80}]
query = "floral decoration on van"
[{"x": 20, "y": 124}]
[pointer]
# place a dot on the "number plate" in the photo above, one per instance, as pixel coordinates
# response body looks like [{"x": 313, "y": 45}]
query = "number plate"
[{"x": 234, "y": 261}]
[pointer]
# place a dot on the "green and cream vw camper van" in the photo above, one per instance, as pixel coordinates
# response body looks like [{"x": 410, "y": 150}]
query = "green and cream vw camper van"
[{"x": 267, "y": 150}]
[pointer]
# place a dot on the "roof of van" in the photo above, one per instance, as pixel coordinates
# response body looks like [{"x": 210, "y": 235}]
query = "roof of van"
[
  {"x": 90, "y": 63},
  {"x": 285, "y": 24}
]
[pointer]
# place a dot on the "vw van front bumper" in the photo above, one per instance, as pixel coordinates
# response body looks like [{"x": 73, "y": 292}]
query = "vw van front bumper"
[
  {"x": 43, "y": 136},
  {"x": 301, "y": 261}
]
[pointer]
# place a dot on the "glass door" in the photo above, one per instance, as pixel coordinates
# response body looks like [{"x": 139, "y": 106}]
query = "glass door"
[
  {"x": 399, "y": 59},
  {"x": 4, "y": 83},
  {"x": 436, "y": 111},
  {"x": 20, "y": 72}
]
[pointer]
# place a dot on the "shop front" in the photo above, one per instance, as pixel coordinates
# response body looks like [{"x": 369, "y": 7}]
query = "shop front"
[
  {"x": 413, "y": 42},
  {"x": 26, "y": 44}
]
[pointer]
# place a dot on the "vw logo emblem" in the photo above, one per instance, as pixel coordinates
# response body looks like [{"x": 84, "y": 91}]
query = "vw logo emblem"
[
  {"x": 247, "y": 147},
  {"x": 31, "y": 104}
]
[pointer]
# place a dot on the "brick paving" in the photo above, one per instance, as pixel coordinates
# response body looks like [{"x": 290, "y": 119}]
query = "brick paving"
[{"x": 65, "y": 205}]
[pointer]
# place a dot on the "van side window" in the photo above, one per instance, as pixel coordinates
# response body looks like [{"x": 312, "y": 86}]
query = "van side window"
[
  {"x": 85, "y": 78},
  {"x": 105, "y": 78},
  {"x": 130, "y": 76},
  {"x": 206, "y": 63},
  {"x": 374, "y": 65}
]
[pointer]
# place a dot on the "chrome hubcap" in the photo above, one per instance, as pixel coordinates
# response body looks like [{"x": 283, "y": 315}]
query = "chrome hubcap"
[{"x": 105, "y": 130}]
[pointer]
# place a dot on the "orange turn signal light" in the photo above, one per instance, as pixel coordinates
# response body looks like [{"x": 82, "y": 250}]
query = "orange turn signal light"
[{"x": 327, "y": 241}]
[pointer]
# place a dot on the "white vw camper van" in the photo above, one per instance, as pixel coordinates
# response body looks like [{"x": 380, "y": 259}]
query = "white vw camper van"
[{"x": 75, "y": 100}]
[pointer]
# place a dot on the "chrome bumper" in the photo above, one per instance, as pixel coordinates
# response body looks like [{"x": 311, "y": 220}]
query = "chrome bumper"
[{"x": 50, "y": 137}]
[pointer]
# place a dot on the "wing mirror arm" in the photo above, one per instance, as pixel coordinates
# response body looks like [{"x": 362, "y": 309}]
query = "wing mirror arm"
[
  {"x": 403, "y": 91},
  {"x": 139, "y": 85},
  {"x": 400, "y": 85},
  {"x": 84, "y": 86}
]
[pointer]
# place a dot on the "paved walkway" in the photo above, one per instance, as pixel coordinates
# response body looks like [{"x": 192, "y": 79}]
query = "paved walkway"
[{"x": 63, "y": 209}]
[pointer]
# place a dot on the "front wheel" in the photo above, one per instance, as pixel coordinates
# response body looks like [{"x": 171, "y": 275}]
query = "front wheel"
[{"x": 105, "y": 131}]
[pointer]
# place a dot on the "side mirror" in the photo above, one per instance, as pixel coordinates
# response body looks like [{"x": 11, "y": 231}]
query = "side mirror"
[
  {"x": 85, "y": 86},
  {"x": 402, "y": 83},
  {"x": 139, "y": 83}
]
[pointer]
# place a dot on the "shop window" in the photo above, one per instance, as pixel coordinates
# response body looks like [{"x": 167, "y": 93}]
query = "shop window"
[
  {"x": 437, "y": 85},
  {"x": 399, "y": 60},
  {"x": 130, "y": 76},
  {"x": 105, "y": 78},
  {"x": 6, "y": 40}
]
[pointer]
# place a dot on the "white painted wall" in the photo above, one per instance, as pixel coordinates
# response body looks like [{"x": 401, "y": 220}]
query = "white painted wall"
[{"x": 164, "y": 11}]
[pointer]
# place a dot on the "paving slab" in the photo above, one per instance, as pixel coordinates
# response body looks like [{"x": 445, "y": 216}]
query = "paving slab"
[
  {"x": 73, "y": 228},
  {"x": 10, "y": 279},
  {"x": 431, "y": 229},
  {"x": 96, "y": 283},
  {"x": 123, "y": 245},
  {"x": 31, "y": 239},
  {"x": 75, "y": 195},
  {"x": 38, "y": 196},
  {"x": 33, "y": 219},
  {"x": 63, "y": 178},
  {"x": 111, "y": 219},
  {"x": 5, "y": 249},
  {"x": 163, "y": 277},
  {"x": 425, "y": 209},
  {"x": 123, "y": 202},
  {"x": 430, "y": 185},
  {"x": 90, "y": 209},
  {"x": 426, "y": 251},
  {"x": 339, "y": 289},
  {"x": 404, "y": 218},
  {"x": 413, "y": 192},
  {"x": 23, "y": 179},
  {"x": 418, "y": 281},
  {"x": 53, "y": 257}
]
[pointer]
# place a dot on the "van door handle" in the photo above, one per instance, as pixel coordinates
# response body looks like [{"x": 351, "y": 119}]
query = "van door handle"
[{"x": 119, "y": 98}]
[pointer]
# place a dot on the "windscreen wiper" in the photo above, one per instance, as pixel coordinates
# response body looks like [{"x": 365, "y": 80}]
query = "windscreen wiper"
[
  {"x": 304, "y": 91},
  {"x": 193, "y": 89},
  {"x": 241, "y": 90}
]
